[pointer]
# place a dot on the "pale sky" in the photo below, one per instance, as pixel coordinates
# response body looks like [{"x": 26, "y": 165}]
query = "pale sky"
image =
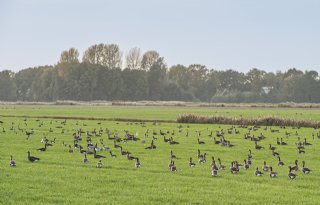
[{"x": 270, "y": 35}]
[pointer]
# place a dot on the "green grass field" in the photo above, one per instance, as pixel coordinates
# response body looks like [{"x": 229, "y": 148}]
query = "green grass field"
[{"x": 61, "y": 177}]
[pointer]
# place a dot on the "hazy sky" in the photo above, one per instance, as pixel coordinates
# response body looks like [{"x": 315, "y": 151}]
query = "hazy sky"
[{"x": 238, "y": 34}]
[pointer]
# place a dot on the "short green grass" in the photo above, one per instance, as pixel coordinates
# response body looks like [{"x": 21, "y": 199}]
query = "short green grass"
[
  {"x": 60, "y": 177},
  {"x": 152, "y": 112}
]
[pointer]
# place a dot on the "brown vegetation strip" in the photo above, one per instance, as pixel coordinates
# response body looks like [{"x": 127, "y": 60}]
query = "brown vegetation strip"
[
  {"x": 89, "y": 118},
  {"x": 265, "y": 120}
]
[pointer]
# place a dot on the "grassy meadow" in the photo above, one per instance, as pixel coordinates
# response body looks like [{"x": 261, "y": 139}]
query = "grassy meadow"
[{"x": 60, "y": 177}]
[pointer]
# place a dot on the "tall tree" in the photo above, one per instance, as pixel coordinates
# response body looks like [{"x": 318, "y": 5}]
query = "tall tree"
[
  {"x": 148, "y": 59},
  {"x": 70, "y": 56},
  {"x": 133, "y": 58},
  {"x": 7, "y": 86},
  {"x": 107, "y": 55}
]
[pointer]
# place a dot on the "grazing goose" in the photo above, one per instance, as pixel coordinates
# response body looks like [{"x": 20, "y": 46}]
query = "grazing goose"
[
  {"x": 138, "y": 164},
  {"x": 42, "y": 149},
  {"x": 305, "y": 170},
  {"x": 99, "y": 164},
  {"x": 280, "y": 163},
  {"x": 85, "y": 159},
  {"x": 12, "y": 163},
  {"x": 272, "y": 173},
  {"x": 258, "y": 173},
  {"x": 32, "y": 158},
  {"x": 301, "y": 150},
  {"x": 200, "y": 142},
  {"x": 290, "y": 174},
  {"x": 221, "y": 166},
  {"x": 96, "y": 155},
  {"x": 112, "y": 155}
]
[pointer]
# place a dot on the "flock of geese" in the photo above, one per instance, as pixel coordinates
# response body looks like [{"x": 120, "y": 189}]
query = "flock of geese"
[{"x": 82, "y": 142}]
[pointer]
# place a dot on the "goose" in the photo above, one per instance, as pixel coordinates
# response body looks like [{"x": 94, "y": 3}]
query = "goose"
[
  {"x": 280, "y": 163},
  {"x": 258, "y": 147},
  {"x": 64, "y": 144},
  {"x": 214, "y": 171},
  {"x": 306, "y": 143},
  {"x": 221, "y": 166},
  {"x": 123, "y": 152},
  {"x": 233, "y": 168},
  {"x": 138, "y": 164},
  {"x": 96, "y": 155},
  {"x": 258, "y": 173},
  {"x": 246, "y": 165},
  {"x": 99, "y": 164},
  {"x": 172, "y": 142},
  {"x": 278, "y": 142},
  {"x": 275, "y": 153},
  {"x": 116, "y": 145},
  {"x": 305, "y": 170},
  {"x": 265, "y": 167},
  {"x": 250, "y": 154},
  {"x": 301, "y": 150},
  {"x": 272, "y": 173},
  {"x": 42, "y": 149},
  {"x": 296, "y": 167},
  {"x": 32, "y": 158},
  {"x": 203, "y": 158},
  {"x": 191, "y": 164},
  {"x": 12, "y": 163},
  {"x": 173, "y": 167},
  {"x": 85, "y": 159},
  {"x": 290, "y": 174},
  {"x": 172, "y": 155},
  {"x": 112, "y": 155},
  {"x": 130, "y": 157},
  {"x": 215, "y": 141},
  {"x": 200, "y": 142},
  {"x": 271, "y": 147},
  {"x": 282, "y": 142}
]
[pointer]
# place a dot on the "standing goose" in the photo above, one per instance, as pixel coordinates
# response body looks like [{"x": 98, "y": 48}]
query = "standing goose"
[
  {"x": 305, "y": 170},
  {"x": 221, "y": 166},
  {"x": 272, "y": 173},
  {"x": 96, "y": 155},
  {"x": 200, "y": 142},
  {"x": 290, "y": 174},
  {"x": 295, "y": 167},
  {"x": 99, "y": 164},
  {"x": 42, "y": 149},
  {"x": 246, "y": 165},
  {"x": 172, "y": 155},
  {"x": 85, "y": 159},
  {"x": 191, "y": 164},
  {"x": 138, "y": 164},
  {"x": 233, "y": 168},
  {"x": 280, "y": 163},
  {"x": 258, "y": 147},
  {"x": 32, "y": 158},
  {"x": 12, "y": 163},
  {"x": 173, "y": 167},
  {"x": 214, "y": 171},
  {"x": 112, "y": 155},
  {"x": 258, "y": 173},
  {"x": 265, "y": 167}
]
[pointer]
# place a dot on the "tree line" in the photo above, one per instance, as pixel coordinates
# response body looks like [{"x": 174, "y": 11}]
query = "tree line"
[{"x": 101, "y": 75}]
